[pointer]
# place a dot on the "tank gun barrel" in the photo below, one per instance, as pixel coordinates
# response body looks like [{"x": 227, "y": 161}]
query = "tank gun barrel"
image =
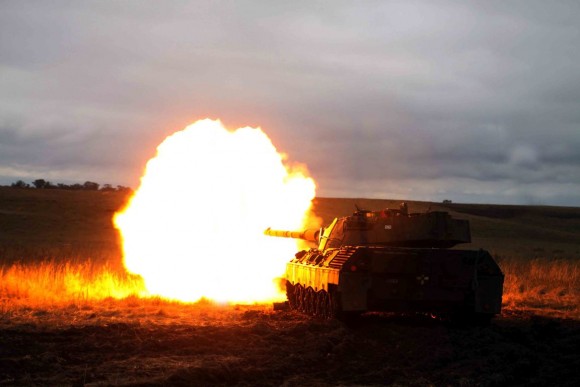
[{"x": 307, "y": 235}]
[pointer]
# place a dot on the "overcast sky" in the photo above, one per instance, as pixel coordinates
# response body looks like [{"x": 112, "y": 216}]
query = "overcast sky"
[{"x": 429, "y": 100}]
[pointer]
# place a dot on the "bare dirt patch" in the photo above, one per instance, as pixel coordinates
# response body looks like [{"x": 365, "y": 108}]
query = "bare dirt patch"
[{"x": 138, "y": 343}]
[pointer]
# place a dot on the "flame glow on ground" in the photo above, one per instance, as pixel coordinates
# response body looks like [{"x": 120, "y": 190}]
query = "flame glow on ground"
[{"x": 194, "y": 227}]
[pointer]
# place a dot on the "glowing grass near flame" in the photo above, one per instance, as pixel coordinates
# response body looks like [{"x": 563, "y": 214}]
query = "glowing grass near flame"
[{"x": 194, "y": 227}]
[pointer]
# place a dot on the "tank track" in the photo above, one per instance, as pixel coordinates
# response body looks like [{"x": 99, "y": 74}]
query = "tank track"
[{"x": 319, "y": 303}]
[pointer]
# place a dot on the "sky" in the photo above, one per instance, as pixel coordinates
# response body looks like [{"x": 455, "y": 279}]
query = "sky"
[{"x": 474, "y": 102}]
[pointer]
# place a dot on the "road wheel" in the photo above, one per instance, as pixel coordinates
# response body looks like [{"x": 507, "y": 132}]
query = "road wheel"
[
  {"x": 299, "y": 294},
  {"x": 327, "y": 305},
  {"x": 319, "y": 311},
  {"x": 311, "y": 301},
  {"x": 291, "y": 295}
]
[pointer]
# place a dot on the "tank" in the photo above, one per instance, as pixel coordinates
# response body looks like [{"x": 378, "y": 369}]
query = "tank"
[{"x": 393, "y": 261}]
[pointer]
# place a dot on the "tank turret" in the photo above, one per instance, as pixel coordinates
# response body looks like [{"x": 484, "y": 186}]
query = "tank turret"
[
  {"x": 387, "y": 227},
  {"x": 392, "y": 260}
]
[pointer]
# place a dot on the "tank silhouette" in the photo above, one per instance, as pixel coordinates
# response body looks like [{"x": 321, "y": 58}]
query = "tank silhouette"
[{"x": 396, "y": 261}]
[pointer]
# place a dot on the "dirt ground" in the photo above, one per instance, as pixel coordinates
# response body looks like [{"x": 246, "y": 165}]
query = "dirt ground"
[
  {"x": 138, "y": 342},
  {"x": 131, "y": 344}
]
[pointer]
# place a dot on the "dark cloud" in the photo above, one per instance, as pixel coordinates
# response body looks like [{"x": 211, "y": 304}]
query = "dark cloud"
[{"x": 416, "y": 99}]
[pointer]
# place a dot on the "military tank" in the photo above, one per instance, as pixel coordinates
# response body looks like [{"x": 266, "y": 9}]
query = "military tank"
[{"x": 393, "y": 261}]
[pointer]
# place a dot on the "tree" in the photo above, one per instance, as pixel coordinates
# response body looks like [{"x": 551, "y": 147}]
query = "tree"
[
  {"x": 41, "y": 184},
  {"x": 91, "y": 186},
  {"x": 121, "y": 188},
  {"x": 107, "y": 188},
  {"x": 20, "y": 184}
]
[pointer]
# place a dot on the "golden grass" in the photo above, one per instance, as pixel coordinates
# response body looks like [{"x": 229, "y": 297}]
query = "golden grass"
[
  {"x": 544, "y": 286},
  {"x": 58, "y": 282},
  {"x": 74, "y": 292}
]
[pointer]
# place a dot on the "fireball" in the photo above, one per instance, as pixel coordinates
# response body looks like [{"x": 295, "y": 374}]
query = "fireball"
[{"x": 194, "y": 227}]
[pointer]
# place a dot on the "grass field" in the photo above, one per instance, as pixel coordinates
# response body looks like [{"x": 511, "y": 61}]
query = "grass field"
[
  {"x": 70, "y": 315},
  {"x": 61, "y": 245}
]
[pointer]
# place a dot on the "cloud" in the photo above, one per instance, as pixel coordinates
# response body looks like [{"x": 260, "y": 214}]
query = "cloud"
[
  {"x": 524, "y": 156},
  {"x": 366, "y": 94}
]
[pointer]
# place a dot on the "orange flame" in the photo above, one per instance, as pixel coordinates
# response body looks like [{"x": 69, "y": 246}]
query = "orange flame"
[{"x": 194, "y": 227}]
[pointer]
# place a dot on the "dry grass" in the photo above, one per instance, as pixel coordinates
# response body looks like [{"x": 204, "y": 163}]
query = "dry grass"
[
  {"x": 61, "y": 290},
  {"x": 545, "y": 286},
  {"x": 58, "y": 282}
]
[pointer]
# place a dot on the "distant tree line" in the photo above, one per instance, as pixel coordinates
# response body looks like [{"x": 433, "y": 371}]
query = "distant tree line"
[{"x": 86, "y": 186}]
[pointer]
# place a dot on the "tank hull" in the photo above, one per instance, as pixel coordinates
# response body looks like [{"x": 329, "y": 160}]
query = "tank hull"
[{"x": 366, "y": 278}]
